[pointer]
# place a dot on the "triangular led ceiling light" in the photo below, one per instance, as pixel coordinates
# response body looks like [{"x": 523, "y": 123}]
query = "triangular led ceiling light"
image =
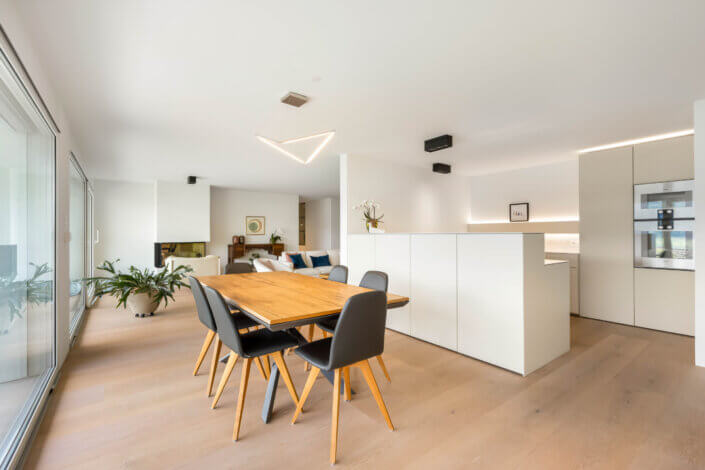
[{"x": 324, "y": 136}]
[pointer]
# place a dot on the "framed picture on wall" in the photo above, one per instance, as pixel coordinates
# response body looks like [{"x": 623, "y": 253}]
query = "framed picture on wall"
[
  {"x": 254, "y": 224},
  {"x": 519, "y": 212}
]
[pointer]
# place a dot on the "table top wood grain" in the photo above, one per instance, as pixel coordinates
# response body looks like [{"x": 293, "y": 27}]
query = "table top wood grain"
[{"x": 278, "y": 298}]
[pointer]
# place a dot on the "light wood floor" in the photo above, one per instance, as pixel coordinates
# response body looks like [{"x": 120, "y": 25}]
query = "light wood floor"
[{"x": 622, "y": 398}]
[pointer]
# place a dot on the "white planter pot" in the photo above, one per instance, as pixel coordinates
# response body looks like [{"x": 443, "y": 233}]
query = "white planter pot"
[{"x": 141, "y": 304}]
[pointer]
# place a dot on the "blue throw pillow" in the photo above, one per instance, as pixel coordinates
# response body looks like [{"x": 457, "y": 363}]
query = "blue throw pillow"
[
  {"x": 320, "y": 261},
  {"x": 298, "y": 260}
]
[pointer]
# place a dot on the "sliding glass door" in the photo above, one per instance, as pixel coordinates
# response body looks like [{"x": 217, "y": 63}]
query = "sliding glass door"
[
  {"x": 78, "y": 246},
  {"x": 27, "y": 313}
]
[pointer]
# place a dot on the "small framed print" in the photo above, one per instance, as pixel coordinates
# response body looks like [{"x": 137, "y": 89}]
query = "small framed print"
[
  {"x": 254, "y": 225},
  {"x": 519, "y": 212}
]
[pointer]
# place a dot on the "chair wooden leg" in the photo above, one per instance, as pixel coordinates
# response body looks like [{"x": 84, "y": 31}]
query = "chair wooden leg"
[
  {"x": 372, "y": 383},
  {"x": 267, "y": 365},
  {"x": 204, "y": 349},
  {"x": 214, "y": 365},
  {"x": 334, "y": 417},
  {"x": 346, "y": 379},
  {"x": 262, "y": 370},
  {"x": 325, "y": 333},
  {"x": 307, "y": 389},
  {"x": 384, "y": 368},
  {"x": 281, "y": 364},
  {"x": 241, "y": 396},
  {"x": 224, "y": 378}
]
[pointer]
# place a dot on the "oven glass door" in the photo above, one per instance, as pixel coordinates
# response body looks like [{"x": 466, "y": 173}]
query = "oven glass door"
[
  {"x": 676, "y": 195},
  {"x": 665, "y": 249}
]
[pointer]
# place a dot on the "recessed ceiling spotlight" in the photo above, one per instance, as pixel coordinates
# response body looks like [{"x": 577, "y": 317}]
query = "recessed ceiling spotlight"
[
  {"x": 294, "y": 99},
  {"x": 278, "y": 145}
]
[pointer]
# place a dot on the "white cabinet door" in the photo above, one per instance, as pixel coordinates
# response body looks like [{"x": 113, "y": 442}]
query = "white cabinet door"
[
  {"x": 664, "y": 160},
  {"x": 433, "y": 289},
  {"x": 490, "y": 298},
  {"x": 665, "y": 300},
  {"x": 392, "y": 256},
  {"x": 361, "y": 256},
  {"x": 606, "y": 236}
]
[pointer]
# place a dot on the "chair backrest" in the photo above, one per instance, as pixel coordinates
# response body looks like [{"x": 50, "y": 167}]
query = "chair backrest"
[
  {"x": 376, "y": 280},
  {"x": 238, "y": 268},
  {"x": 202, "y": 306},
  {"x": 339, "y": 273},
  {"x": 359, "y": 334},
  {"x": 224, "y": 320}
]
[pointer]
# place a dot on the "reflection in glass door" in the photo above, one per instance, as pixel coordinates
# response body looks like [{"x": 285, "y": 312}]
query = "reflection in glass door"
[
  {"x": 27, "y": 314},
  {"x": 77, "y": 246},
  {"x": 90, "y": 242}
]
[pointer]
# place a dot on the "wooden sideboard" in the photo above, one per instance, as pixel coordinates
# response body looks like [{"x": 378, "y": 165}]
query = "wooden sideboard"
[{"x": 238, "y": 250}]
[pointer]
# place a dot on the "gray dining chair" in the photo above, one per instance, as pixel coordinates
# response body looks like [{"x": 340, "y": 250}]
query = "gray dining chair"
[
  {"x": 251, "y": 345},
  {"x": 358, "y": 337},
  {"x": 238, "y": 268},
  {"x": 376, "y": 280},
  {"x": 205, "y": 315}
]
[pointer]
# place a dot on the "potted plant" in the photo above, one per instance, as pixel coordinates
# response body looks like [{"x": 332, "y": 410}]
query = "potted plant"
[
  {"x": 369, "y": 212},
  {"x": 14, "y": 294},
  {"x": 276, "y": 236},
  {"x": 142, "y": 291}
]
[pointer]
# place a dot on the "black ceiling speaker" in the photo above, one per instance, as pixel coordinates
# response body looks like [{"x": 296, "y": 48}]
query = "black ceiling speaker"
[
  {"x": 438, "y": 143},
  {"x": 191, "y": 180},
  {"x": 442, "y": 168}
]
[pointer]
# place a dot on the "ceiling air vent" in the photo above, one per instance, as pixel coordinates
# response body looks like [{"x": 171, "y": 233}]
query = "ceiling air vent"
[{"x": 294, "y": 99}]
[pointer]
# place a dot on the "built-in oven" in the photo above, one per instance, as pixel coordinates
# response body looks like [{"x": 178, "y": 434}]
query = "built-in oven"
[
  {"x": 665, "y": 244},
  {"x": 676, "y": 196}
]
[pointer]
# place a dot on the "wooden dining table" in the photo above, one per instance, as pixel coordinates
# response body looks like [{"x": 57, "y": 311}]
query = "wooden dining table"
[{"x": 284, "y": 300}]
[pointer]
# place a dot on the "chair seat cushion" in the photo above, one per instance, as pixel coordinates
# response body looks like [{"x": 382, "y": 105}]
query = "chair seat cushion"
[
  {"x": 317, "y": 352},
  {"x": 261, "y": 342},
  {"x": 328, "y": 324}
]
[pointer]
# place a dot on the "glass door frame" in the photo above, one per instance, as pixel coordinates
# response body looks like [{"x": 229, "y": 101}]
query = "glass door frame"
[
  {"x": 31, "y": 411},
  {"x": 76, "y": 321}
]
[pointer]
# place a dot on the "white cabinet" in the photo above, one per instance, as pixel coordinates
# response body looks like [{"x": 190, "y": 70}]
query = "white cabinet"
[
  {"x": 433, "y": 289},
  {"x": 606, "y": 236},
  {"x": 664, "y": 160},
  {"x": 573, "y": 260},
  {"x": 393, "y": 256},
  {"x": 490, "y": 311},
  {"x": 665, "y": 300},
  {"x": 361, "y": 256}
]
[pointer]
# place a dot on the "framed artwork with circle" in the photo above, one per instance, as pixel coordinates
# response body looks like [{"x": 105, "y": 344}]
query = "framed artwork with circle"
[{"x": 254, "y": 225}]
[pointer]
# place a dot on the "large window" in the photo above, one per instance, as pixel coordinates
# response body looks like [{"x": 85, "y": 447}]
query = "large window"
[
  {"x": 78, "y": 251},
  {"x": 27, "y": 314}
]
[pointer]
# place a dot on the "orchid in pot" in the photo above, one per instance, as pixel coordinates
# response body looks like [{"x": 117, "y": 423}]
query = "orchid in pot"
[
  {"x": 369, "y": 211},
  {"x": 276, "y": 236},
  {"x": 142, "y": 291}
]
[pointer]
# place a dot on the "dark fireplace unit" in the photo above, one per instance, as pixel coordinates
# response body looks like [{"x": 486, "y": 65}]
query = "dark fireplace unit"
[{"x": 181, "y": 249}]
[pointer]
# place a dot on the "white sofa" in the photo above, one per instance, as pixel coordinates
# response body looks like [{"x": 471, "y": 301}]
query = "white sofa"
[
  {"x": 206, "y": 266},
  {"x": 266, "y": 265},
  {"x": 309, "y": 270}
]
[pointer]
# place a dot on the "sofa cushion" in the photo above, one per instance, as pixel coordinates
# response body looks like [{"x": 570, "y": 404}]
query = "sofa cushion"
[
  {"x": 318, "y": 261},
  {"x": 307, "y": 271},
  {"x": 334, "y": 256},
  {"x": 297, "y": 259}
]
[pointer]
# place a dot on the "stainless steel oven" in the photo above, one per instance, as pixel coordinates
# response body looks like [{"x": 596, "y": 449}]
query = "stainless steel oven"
[
  {"x": 672, "y": 195},
  {"x": 664, "y": 244}
]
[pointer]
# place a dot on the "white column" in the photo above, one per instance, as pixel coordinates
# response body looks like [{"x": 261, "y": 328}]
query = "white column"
[
  {"x": 699, "y": 196},
  {"x": 344, "y": 208}
]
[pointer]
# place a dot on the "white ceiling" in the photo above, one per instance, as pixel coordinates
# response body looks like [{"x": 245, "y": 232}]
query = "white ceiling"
[{"x": 165, "y": 89}]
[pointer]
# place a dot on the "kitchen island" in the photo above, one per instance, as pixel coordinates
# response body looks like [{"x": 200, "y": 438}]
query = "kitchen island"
[{"x": 490, "y": 296}]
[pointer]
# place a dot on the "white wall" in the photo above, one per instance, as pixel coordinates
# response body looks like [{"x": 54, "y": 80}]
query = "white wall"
[
  {"x": 124, "y": 218},
  {"x": 229, "y": 207},
  {"x": 551, "y": 191},
  {"x": 699, "y": 120},
  {"x": 413, "y": 199},
  {"x": 182, "y": 212},
  {"x": 323, "y": 224}
]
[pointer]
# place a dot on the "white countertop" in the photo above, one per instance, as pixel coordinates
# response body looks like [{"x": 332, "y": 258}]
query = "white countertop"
[{"x": 546, "y": 262}]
